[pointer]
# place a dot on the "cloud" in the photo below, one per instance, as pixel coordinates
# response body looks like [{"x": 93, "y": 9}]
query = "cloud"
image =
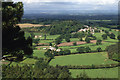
[
  {"x": 102, "y": 2},
  {"x": 43, "y": 5}
]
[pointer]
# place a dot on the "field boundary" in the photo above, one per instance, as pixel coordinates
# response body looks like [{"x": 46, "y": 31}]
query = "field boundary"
[{"x": 91, "y": 66}]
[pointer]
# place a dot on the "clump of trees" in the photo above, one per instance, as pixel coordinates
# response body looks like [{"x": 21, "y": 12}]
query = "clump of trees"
[
  {"x": 99, "y": 42},
  {"x": 74, "y": 44},
  {"x": 52, "y": 53},
  {"x": 114, "y": 51},
  {"x": 36, "y": 41},
  {"x": 118, "y": 37},
  {"x": 87, "y": 40},
  {"x": 112, "y": 36},
  {"x": 104, "y": 36},
  {"x": 83, "y": 49},
  {"x": 99, "y": 49},
  {"x": 13, "y": 40},
  {"x": 40, "y": 70},
  {"x": 58, "y": 40}
]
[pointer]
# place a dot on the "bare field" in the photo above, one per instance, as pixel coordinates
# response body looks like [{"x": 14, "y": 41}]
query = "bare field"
[
  {"x": 30, "y": 25},
  {"x": 78, "y": 42}
]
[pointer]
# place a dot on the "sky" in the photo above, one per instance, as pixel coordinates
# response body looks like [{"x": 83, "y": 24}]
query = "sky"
[{"x": 62, "y": 5}]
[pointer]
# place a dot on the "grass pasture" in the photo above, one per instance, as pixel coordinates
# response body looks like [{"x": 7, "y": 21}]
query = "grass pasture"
[
  {"x": 29, "y": 61},
  {"x": 98, "y": 58},
  {"x": 96, "y": 73},
  {"x": 93, "y": 46},
  {"x": 39, "y": 53}
]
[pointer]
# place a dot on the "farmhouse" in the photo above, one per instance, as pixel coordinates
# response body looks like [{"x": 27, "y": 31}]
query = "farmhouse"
[
  {"x": 52, "y": 48},
  {"x": 37, "y": 36}
]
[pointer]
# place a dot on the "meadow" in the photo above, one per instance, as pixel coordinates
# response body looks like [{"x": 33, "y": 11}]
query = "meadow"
[
  {"x": 39, "y": 53},
  {"x": 98, "y": 58},
  {"x": 96, "y": 73}
]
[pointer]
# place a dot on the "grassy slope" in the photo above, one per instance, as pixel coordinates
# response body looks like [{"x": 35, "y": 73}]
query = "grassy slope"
[
  {"x": 39, "y": 53},
  {"x": 82, "y": 59},
  {"x": 97, "y": 73}
]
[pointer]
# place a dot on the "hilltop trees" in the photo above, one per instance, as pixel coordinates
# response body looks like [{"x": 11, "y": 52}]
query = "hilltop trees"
[{"x": 13, "y": 40}]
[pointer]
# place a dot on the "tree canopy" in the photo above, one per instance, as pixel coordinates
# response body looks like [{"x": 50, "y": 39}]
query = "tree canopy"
[{"x": 13, "y": 40}]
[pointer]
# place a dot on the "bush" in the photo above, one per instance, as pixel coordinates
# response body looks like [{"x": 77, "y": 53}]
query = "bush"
[
  {"x": 81, "y": 49},
  {"x": 87, "y": 40},
  {"x": 74, "y": 44},
  {"x": 99, "y": 49},
  {"x": 66, "y": 52},
  {"x": 88, "y": 49},
  {"x": 104, "y": 36},
  {"x": 112, "y": 36},
  {"x": 98, "y": 42}
]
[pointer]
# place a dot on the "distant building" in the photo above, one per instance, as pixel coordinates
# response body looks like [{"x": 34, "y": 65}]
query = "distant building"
[
  {"x": 52, "y": 48},
  {"x": 37, "y": 36},
  {"x": 58, "y": 50}
]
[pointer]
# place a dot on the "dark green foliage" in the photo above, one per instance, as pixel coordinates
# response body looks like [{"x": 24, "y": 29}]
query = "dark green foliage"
[
  {"x": 89, "y": 35},
  {"x": 64, "y": 27},
  {"x": 81, "y": 49},
  {"x": 49, "y": 53},
  {"x": 88, "y": 49},
  {"x": 67, "y": 52},
  {"x": 104, "y": 36},
  {"x": 112, "y": 36},
  {"x": 74, "y": 44},
  {"x": 83, "y": 76},
  {"x": 50, "y": 44},
  {"x": 41, "y": 70},
  {"x": 87, "y": 40},
  {"x": 36, "y": 41},
  {"x": 99, "y": 49},
  {"x": 106, "y": 31},
  {"x": 118, "y": 37},
  {"x": 94, "y": 37},
  {"x": 45, "y": 36},
  {"x": 114, "y": 51},
  {"x": 58, "y": 40},
  {"x": 56, "y": 46},
  {"x": 41, "y": 64},
  {"x": 32, "y": 35},
  {"x": 81, "y": 39},
  {"x": 67, "y": 39},
  {"x": 97, "y": 31},
  {"x": 13, "y": 40},
  {"x": 99, "y": 42}
]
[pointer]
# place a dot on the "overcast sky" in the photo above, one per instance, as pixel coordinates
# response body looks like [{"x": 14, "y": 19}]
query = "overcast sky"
[{"x": 70, "y": 4}]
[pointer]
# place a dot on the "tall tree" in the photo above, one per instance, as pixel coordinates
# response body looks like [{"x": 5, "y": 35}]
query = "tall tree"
[{"x": 13, "y": 40}]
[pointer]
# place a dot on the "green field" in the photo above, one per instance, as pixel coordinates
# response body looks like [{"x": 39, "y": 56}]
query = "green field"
[
  {"x": 39, "y": 53},
  {"x": 96, "y": 73},
  {"x": 46, "y": 41},
  {"x": 93, "y": 46},
  {"x": 82, "y": 59},
  {"x": 29, "y": 61},
  {"x": 99, "y": 35}
]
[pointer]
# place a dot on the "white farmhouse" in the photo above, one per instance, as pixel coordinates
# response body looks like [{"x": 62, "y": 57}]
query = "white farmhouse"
[
  {"x": 58, "y": 50},
  {"x": 52, "y": 48}
]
